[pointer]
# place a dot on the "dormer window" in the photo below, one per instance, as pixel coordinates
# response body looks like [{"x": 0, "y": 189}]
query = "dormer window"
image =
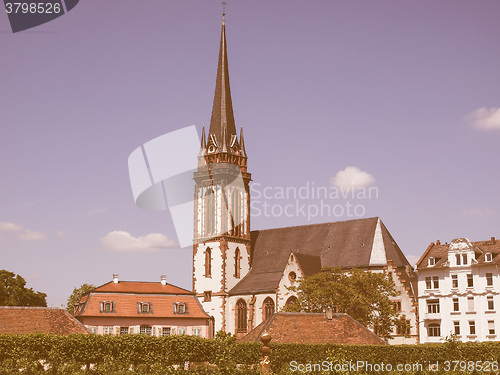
[
  {"x": 107, "y": 306},
  {"x": 144, "y": 307},
  {"x": 461, "y": 259},
  {"x": 488, "y": 257},
  {"x": 431, "y": 262},
  {"x": 180, "y": 308}
]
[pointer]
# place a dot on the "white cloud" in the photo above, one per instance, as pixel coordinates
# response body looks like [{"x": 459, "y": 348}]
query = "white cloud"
[
  {"x": 23, "y": 233},
  {"x": 484, "y": 118},
  {"x": 478, "y": 212},
  {"x": 124, "y": 241},
  {"x": 97, "y": 211},
  {"x": 31, "y": 235},
  {"x": 60, "y": 234},
  {"x": 352, "y": 177},
  {"x": 10, "y": 227}
]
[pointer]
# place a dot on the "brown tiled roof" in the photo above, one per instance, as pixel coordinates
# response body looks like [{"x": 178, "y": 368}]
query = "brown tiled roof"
[
  {"x": 140, "y": 287},
  {"x": 346, "y": 244},
  {"x": 24, "y": 320},
  {"x": 440, "y": 253},
  {"x": 125, "y": 305},
  {"x": 311, "y": 328}
]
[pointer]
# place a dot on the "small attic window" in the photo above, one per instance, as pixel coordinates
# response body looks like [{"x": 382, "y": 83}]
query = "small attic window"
[
  {"x": 107, "y": 307},
  {"x": 431, "y": 261},
  {"x": 488, "y": 257},
  {"x": 180, "y": 308},
  {"x": 292, "y": 276}
]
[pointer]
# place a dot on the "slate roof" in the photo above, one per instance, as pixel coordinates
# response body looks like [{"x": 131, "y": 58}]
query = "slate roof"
[
  {"x": 309, "y": 328},
  {"x": 345, "y": 244},
  {"x": 222, "y": 123},
  {"x": 25, "y": 320},
  {"x": 440, "y": 253}
]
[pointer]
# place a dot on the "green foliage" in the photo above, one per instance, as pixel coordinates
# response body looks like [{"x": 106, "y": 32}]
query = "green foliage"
[
  {"x": 77, "y": 294},
  {"x": 13, "y": 292},
  {"x": 362, "y": 295},
  {"x": 39, "y": 354}
]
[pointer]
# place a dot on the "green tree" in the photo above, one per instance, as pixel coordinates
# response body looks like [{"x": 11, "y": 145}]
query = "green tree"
[
  {"x": 77, "y": 294},
  {"x": 13, "y": 292},
  {"x": 362, "y": 295}
]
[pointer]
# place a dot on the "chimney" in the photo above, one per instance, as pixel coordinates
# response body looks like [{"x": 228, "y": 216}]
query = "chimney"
[
  {"x": 329, "y": 313},
  {"x": 115, "y": 278},
  {"x": 493, "y": 240},
  {"x": 163, "y": 280},
  {"x": 438, "y": 242}
]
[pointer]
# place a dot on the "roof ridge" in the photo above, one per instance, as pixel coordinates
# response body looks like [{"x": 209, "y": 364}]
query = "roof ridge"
[{"x": 317, "y": 224}]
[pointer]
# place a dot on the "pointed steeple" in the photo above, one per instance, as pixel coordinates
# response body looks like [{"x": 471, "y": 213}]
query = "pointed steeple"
[
  {"x": 203, "y": 146},
  {"x": 222, "y": 123},
  {"x": 243, "y": 152}
]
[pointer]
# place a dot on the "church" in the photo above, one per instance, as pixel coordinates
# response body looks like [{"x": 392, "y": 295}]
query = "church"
[{"x": 241, "y": 276}]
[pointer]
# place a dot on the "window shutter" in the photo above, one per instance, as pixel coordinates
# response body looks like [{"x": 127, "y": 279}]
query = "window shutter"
[
  {"x": 101, "y": 306},
  {"x": 113, "y": 307},
  {"x": 185, "y": 308},
  {"x": 175, "y": 307},
  {"x": 150, "y": 307},
  {"x": 138, "y": 307}
]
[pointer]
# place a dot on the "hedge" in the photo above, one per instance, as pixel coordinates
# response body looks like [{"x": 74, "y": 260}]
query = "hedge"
[{"x": 141, "y": 354}]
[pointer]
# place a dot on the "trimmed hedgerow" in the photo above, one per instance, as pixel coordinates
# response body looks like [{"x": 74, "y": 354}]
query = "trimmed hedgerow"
[{"x": 140, "y": 354}]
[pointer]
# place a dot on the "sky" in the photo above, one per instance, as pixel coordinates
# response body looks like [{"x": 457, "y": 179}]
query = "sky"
[{"x": 400, "y": 100}]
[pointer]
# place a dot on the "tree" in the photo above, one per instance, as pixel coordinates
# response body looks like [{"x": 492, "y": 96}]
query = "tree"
[
  {"x": 77, "y": 294},
  {"x": 13, "y": 292},
  {"x": 362, "y": 295}
]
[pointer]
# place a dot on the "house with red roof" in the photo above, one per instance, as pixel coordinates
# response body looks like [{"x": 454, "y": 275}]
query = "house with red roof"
[{"x": 138, "y": 307}]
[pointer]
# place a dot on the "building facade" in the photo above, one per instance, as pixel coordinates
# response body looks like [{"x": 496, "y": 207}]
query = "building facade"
[
  {"x": 241, "y": 277},
  {"x": 133, "y": 307},
  {"x": 459, "y": 287}
]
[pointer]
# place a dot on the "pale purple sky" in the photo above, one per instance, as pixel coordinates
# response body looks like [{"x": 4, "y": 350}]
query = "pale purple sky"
[{"x": 406, "y": 91}]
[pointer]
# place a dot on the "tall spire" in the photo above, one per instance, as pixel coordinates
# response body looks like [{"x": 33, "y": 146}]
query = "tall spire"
[{"x": 222, "y": 122}]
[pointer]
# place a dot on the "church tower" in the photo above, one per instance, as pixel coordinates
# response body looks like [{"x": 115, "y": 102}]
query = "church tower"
[{"x": 221, "y": 250}]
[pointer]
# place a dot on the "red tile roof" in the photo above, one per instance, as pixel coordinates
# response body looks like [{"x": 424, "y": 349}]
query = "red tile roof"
[
  {"x": 140, "y": 287},
  {"x": 126, "y": 305},
  {"x": 309, "y": 328},
  {"x": 24, "y": 320}
]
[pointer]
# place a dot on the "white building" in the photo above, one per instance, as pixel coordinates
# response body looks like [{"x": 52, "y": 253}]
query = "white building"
[
  {"x": 241, "y": 276},
  {"x": 458, "y": 291}
]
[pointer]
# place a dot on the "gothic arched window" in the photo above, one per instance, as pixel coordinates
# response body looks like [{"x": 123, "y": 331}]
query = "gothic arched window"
[
  {"x": 209, "y": 214},
  {"x": 290, "y": 301},
  {"x": 237, "y": 264},
  {"x": 208, "y": 262},
  {"x": 268, "y": 308},
  {"x": 236, "y": 215},
  {"x": 241, "y": 316}
]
